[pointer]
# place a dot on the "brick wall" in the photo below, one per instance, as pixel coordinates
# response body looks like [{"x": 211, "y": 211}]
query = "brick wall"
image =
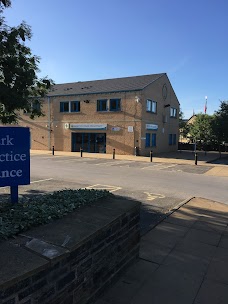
[{"x": 81, "y": 274}]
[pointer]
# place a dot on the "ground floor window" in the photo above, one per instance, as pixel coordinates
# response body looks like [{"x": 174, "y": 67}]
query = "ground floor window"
[
  {"x": 172, "y": 139},
  {"x": 151, "y": 139},
  {"x": 89, "y": 142}
]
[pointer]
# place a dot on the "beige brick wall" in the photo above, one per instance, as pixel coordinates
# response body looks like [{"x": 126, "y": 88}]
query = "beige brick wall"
[{"x": 132, "y": 114}]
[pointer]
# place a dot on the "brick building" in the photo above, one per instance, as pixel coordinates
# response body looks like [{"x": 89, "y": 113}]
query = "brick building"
[{"x": 101, "y": 115}]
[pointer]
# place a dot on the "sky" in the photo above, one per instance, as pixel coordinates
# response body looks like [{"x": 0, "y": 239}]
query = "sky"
[{"x": 100, "y": 39}]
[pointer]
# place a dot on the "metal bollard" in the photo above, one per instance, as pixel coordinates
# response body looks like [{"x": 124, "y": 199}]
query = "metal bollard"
[
  {"x": 136, "y": 151},
  {"x": 114, "y": 154},
  {"x": 151, "y": 156},
  {"x": 196, "y": 158},
  {"x": 53, "y": 150},
  {"x": 81, "y": 150}
]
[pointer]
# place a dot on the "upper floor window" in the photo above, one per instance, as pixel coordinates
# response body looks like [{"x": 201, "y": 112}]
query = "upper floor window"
[
  {"x": 69, "y": 106},
  {"x": 173, "y": 112},
  {"x": 151, "y": 106},
  {"x": 75, "y": 106},
  {"x": 102, "y": 105},
  {"x": 114, "y": 104}
]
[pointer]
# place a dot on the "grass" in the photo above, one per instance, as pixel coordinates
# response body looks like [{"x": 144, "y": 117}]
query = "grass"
[{"x": 38, "y": 210}]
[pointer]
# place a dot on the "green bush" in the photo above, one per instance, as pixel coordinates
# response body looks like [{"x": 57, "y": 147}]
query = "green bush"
[{"x": 42, "y": 209}]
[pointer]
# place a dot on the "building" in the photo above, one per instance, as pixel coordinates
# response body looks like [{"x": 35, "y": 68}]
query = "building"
[{"x": 126, "y": 114}]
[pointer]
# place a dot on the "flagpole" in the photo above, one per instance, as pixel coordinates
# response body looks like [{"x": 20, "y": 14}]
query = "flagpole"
[{"x": 205, "y": 107}]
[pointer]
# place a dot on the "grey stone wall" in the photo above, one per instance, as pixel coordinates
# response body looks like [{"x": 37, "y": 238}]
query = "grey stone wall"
[{"x": 80, "y": 274}]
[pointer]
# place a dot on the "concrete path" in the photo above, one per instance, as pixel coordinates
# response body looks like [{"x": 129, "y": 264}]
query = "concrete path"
[{"x": 184, "y": 259}]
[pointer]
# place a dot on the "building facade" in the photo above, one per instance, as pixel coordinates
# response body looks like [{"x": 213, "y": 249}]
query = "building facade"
[{"x": 126, "y": 114}]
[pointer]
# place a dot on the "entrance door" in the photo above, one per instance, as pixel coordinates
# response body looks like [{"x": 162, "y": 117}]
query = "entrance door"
[{"x": 89, "y": 142}]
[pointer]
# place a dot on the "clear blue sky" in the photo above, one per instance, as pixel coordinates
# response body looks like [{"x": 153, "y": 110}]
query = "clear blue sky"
[{"x": 96, "y": 39}]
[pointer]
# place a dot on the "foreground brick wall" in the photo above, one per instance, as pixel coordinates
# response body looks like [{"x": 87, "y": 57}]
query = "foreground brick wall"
[{"x": 81, "y": 274}]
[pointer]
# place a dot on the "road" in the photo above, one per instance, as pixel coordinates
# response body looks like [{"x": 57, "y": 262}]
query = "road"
[{"x": 159, "y": 186}]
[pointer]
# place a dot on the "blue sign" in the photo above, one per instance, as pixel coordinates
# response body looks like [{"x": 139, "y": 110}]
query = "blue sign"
[{"x": 14, "y": 156}]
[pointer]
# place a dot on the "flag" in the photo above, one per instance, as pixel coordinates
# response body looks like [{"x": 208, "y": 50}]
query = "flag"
[{"x": 205, "y": 107}]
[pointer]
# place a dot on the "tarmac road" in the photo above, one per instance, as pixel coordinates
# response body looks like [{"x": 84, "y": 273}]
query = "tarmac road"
[{"x": 159, "y": 186}]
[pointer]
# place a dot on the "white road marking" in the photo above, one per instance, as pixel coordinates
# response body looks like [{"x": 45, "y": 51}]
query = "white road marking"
[
  {"x": 158, "y": 167},
  {"x": 112, "y": 163},
  {"x": 41, "y": 180}
]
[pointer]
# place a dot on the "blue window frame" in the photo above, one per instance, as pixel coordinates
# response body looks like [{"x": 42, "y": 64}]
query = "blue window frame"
[
  {"x": 147, "y": 139},
  {"x": 154, "y": 140},
  {"x": 174, "y": 139},
  {"x": 114, "y": 104},
  {"x": 102, "y": 105},
  {"x": 170, "y": 139},
  {"x": 64, "y": 106},
  {"x": 75, "y": 106}
]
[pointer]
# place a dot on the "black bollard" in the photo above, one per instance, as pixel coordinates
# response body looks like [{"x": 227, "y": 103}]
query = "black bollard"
[
  {"x": 53, "y": 150},
  {"x": 81, "y": 150},
  {"x": 196, "y": 158},
  {"x": 114, "y": 154},
  {"x": 151, "y": 156}
]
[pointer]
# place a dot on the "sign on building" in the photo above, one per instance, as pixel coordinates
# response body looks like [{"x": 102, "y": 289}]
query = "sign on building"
[{"x": 14, "y": 158}]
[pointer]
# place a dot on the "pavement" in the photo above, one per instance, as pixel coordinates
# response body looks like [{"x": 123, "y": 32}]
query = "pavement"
[{"x": 184, "y": 258}]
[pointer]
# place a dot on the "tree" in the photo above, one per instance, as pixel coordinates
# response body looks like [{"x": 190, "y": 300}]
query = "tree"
[
  {"x": 20, "y": 88},
  {"x": 201, "y": 129},
  {"x": 220, "y": 123}
]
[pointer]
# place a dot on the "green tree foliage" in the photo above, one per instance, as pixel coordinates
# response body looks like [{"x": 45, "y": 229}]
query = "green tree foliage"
[
  {"x": 220, "y": 123},
  {"x": 201, "y": 129},
  {"x": 20, "y": 88},
  {"x": 183, "y": 126}
]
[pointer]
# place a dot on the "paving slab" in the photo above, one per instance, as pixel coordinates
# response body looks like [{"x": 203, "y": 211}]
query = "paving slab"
[
  {"x": 168, "y": 285},
  {"x": 166, "y": 234},
  {"x": 218, "y": 268},
  {"x": 224, "y": 241},
  {"x": 152, "y": 252},
  {"x": 127, "y": 287},
  {"x": 212, "y": 292},
  {"x": 210, "y": 238},
  {"x": 187, "y": 262},
  {"x": 182, "y": 218}
]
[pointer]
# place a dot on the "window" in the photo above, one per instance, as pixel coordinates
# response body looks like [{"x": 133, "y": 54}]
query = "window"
[
  {"x": 170, "y": 139},
  {"x": 64, "y": 106},
  {"x": 102, "y": 105},
  {"x": 35, "y": 106},
  {"x": 147, "y": 139},
  {"x": 114, "y": 105},
  {"x": 151, "y": 106},
  {"x": 173, "y": 112},
  {"x": 69, "y": 106},
  {"x": 154, "y": 140},
  {"x": 75, "y": 106}
]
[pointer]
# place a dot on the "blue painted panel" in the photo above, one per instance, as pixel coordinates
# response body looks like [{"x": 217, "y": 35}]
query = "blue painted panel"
[{"x": 14, "y": 156}]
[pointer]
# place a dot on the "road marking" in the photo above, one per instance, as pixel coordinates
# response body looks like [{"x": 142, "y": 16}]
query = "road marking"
[
  {"x": 104, "y": 187},
  {"x": 38, "y": 181},
  {"x": 153, "y": 196},
  {"x": 41, "y": 180},
  {"x": 159, "y": 167},
  {"x": 112, "y": 163}
]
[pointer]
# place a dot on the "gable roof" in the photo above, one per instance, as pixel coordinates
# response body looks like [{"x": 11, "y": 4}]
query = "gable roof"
[{"x": 125, "y": 84}]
